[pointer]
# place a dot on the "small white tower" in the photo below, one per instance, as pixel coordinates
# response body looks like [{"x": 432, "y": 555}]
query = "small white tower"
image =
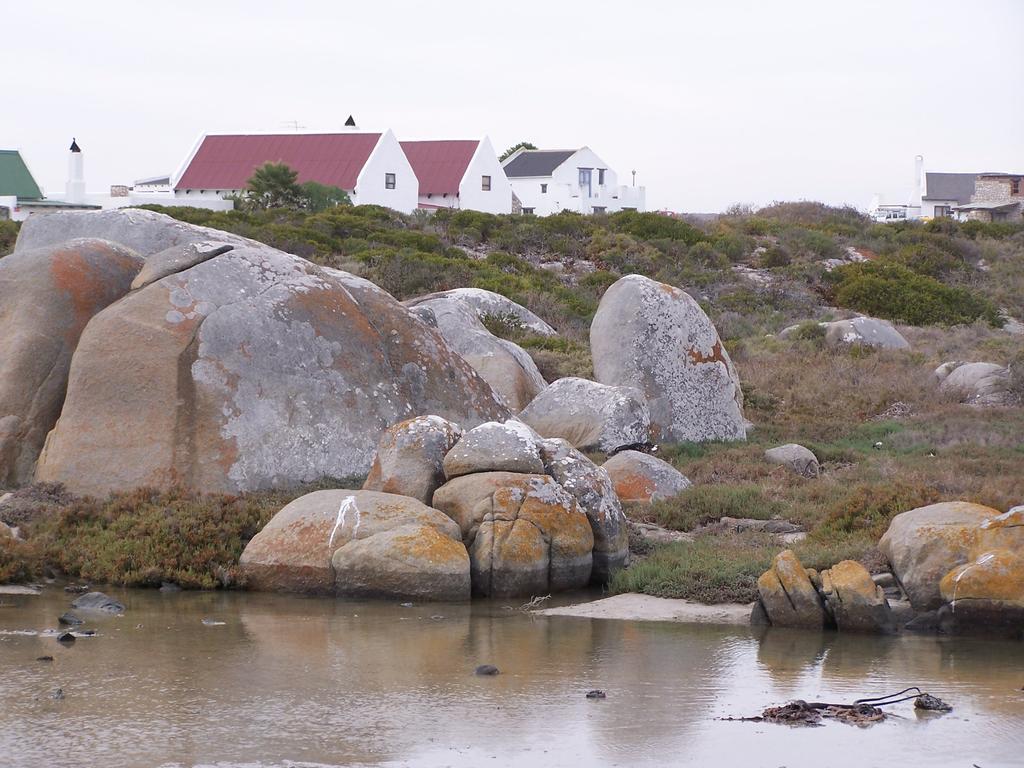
[
  {"x": 74, "y": 192},
  {"x": 917, "y": 190}
]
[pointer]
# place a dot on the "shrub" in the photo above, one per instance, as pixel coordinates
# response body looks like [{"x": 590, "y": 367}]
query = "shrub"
[
  {"x": 8, "y": 235},
  {"x": 700, "y": 505},
  {"x": 775, "y": 256},
  {"x": 654, "y": 226},
  {"x": 145, "y": 537},
  {"x": 896, "y": 293}
]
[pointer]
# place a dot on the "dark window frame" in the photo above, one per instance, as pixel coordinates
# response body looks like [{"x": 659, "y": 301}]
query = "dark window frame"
[
  {"x": 485, "y": 183},
  {"x": 390, "y": 182}
]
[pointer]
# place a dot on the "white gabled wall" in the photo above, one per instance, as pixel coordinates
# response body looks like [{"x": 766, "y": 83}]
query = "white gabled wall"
[
  {"x": 387, "y": 157},
  {"x": 564, "y": 193},
  {"x": 471, "y": 193}
]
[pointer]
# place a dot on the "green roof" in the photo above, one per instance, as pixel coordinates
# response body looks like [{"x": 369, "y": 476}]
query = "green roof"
[{"x": 15, "y": 177}]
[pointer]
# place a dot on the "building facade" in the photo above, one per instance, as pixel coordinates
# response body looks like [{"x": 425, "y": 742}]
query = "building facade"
[
  {"x": 370, "y": 167},
  {"x": 551, "y": 181},
  {"x": 997, "y": 197},
  {"x": 459, "y": 174}
]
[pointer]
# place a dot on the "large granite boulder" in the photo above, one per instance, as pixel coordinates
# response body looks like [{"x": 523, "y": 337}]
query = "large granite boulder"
[
  {"x": 924, "y": 544},
  {"x": 525, "y": 533},
  {"x": 595, "y": 495},
  {"x": 788, "y": 596},
  {"x": 855, "y": 601},
  {"x": 495, "y": 447},
  {"x": 252, "y": 369},
  {"x": 504, "y": 365},
  {"x": 48, "y": 295},
  {"x": 988, "y": 591},
  {"x": 490, "y": 304},
  {"x": 1005, "y": 531},
  {"x": 145, "y": 232},
  {"x": 798, "y": 458},
  {"x": 975, "y": 383},
  {"x": 656, "y": 338},
  {"x": 591, "y": 416},
  {"x": 640, "y": 478},
  {"x": 359, "y": 544},
  {"x": 410, "y": 457}
]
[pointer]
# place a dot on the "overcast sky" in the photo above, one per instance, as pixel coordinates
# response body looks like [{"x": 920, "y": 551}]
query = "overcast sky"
[{"x": 711, "y": 102}]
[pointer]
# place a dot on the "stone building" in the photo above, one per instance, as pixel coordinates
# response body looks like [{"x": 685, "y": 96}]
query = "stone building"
[{"x": 997, "y": 197}]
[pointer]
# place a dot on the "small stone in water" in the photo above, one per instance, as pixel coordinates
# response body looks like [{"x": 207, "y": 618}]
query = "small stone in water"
[
  {"x": 69, "y": 619},
  {"x": 58, "y": 694},
  {"x": 406, "y": 605},
  {"x": 44, "y": 658},
  {"x": 213, "y": 623},
  {"x": 65, "y": 637},
  {"x": 486, "y": 670},
  {"x": 597, "y": 694}
]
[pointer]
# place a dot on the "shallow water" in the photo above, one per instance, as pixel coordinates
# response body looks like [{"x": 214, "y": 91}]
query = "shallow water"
[{"x": 289, "y": 681}]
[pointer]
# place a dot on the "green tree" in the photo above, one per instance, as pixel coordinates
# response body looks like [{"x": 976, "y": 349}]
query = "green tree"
[
  {"x": 318, "y": 197},
  {"x": 514, "y": 148},
  {"x": 273, "y": 186}
]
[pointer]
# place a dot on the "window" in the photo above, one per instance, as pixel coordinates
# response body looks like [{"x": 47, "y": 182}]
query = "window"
[
  {"x": 600, "y": 177},
  {"x": 1014, "y": 186},
  {"x": 543, "y": 189},
  {"x": 941, "y": 210},
  {"x": 485, "y": 183},
  {"x": 389, "y": 181},
  {"x": 585, "y": 176},
  {"x": 527, "y": 211},
  {"x": 599, "y": 209}
]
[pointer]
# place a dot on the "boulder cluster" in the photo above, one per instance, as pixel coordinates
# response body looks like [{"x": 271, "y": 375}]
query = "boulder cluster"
[
  {"x": 956, "y": 566},
  {"x": 143, "y": 351},
  {"x": 510, "y": 514}
]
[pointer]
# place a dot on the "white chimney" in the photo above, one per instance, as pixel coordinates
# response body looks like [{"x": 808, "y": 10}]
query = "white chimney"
[
  {"x": 917, "y": 190},
  {"x": 74, "y": 191}
]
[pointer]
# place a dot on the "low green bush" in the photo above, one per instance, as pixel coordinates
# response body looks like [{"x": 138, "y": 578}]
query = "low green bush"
[
  {"x": 700, "y": 505},
  {"x": 894, "y": 292}
]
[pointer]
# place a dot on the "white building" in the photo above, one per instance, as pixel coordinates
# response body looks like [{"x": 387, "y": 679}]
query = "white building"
[
  {"x": 21, "y": 196},
  {"x": 371, "y": 167},
  {"x": 549, "y": 181},
  {"x": 459, "y": 174}
]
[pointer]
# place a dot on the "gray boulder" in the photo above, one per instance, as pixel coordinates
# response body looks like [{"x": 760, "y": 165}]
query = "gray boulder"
[
  {"x": 252, "y": 369},
  {"x": 591, "y": 487},
  {"x": 869, "y": 331},
  {"x": 47, "y": 297},
  {"x": 640, "y": 478},
  {"x": 799, "y": 459},
  {"x": 975, "y": 383},
  {"x": 410, "y": 457},
  {"x": 591, "y": 416},
  {"x": 509, "y": 370},
  {"x": 490, "y": 304},
  {"x": 359, "y": 544},
  {"x": 178, "y": 258},
  {"x": 495, "y": 447},
  {"x": 145, "y": 232},
  {"x": 656, "y": 338}
]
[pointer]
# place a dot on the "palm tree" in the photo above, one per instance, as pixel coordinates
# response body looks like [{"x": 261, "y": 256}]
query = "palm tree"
[{"x": 273, "y": 186}]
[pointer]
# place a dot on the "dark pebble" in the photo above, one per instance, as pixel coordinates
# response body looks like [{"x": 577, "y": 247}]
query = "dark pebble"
[
  {"x": 58, "y": 694},
  {"x": 76, "y": 589},
  {"x": 44, "y": 658},
  {"x": 487, "y": 669},
  {"x": 69, "y": 619},
  {"x": 66, "y": 637},
  {"x": 595, "y": 694}
]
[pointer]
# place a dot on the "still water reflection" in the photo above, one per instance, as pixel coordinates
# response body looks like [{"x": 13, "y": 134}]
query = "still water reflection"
[{"x": 290, "y": 681}]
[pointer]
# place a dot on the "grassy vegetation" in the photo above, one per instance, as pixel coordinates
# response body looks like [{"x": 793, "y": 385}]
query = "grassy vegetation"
[
  {"x": 140, "y": 538},
  {"x": 8, "y": 234}
]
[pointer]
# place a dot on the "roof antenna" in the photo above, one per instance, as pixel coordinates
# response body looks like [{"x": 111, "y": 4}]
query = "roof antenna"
[
  {"x": 74, "y": 145},
  {"x": 351, "y": 122},
  {"x": 293, "y": 124}
]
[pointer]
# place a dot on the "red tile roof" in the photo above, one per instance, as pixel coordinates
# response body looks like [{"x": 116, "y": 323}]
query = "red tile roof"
[
  {"x": 227, "y": 162},
  {"x": 439, "y": 165}
]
